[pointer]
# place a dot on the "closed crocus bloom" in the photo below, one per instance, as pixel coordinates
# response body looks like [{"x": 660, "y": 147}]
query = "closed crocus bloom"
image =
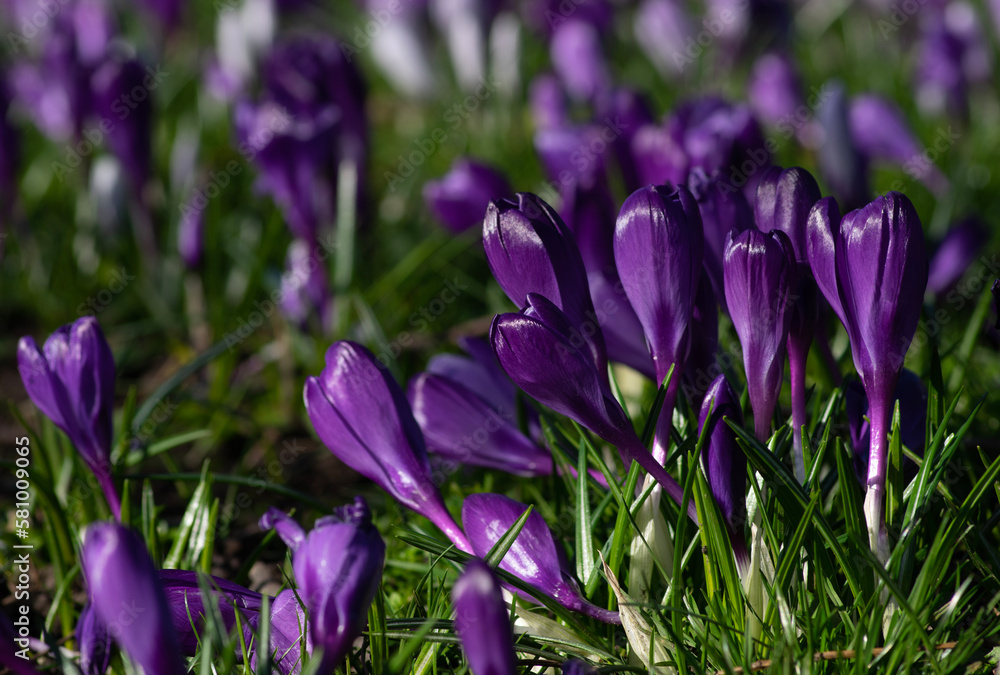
[
  {"x": 482, "y": 621},
  {"x": 72, "y": 381},
  {"x": 460, "y": 426},
  {"x": 126, "y": 595},
  {"x": 338, "y": 568},
  {"x": 774, "y": 90},
  {"x": 881, "y": 264},
  {"x": 530, "y": 250},
  {"x": 881, "y": 132},
  {"x": 784, "y": 200},
  {"x": 658, "y": 156},
  {"x": 724, "y": 462},
  {"x": 187, "y": 606},
  {"x": 532, "y": 557},
  {"x": 955, "y": 254},
  {"x": 559, "y": 150},
  {"x": 578, "y": 59},
  {"x": 723, "y": 210},
  {"x": 130, "y": 138},
  {"x": 658, "y": 248},
  {"x": 459, "y": 199},
  {"x": 939, "y": 78},
  {"x": 760, "y": 277},
  {"x": 305, "y": 291},
  {"x": 842, "y": 164},
  {"x": 361, "y": 414},
  {"x": 541, "y": 351}
]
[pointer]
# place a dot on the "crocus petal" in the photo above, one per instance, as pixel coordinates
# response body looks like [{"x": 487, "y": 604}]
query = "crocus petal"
[
  {"x": 578, "y": 59},
  {"x": 290, "y": 531},
  {"x": 124, "y": 587},
  {"x": 43, "y": 386},
  {"x": 532, "y": 557},
  {"x": 658, "y": 250},
  {"x": 784, "y": 198},
  {"x": 760, "y": 276},
  {"x": 362, "y": 416},
  {"x": 460, "y": 426},
  {"x": 774, "y": 90},
  {"x": 822, "y": 225},
  {"x": 482, "y": 621}
]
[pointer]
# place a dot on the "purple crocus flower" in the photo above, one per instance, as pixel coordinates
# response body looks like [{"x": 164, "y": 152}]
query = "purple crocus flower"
[
  {"x": 724, "y": 462},
  {"x": 73, "y": 383},
  {"x": 127, "y": 597},
  {"x": 658, "y": 248},
  {"x": 760, "y": 278},
  {"x": 774, "y": 90},
  {"x": 482, "y": 621},
  {"x": 122, "y": 94},
  {"x": 955, "y": 254},
  {"x": 310, "y": 118},
  {"x": 624, "y": 112},
  {"x": 880, "y": 274},
  {"x": 939, "y": 77},
  {"x": 547, "y": 357},
  {"x": 579, "y": 61},
  {"x": 530, "y": 250},
  {"x": 723, "y": 210},
  {"x": 784, "y": 199},
  {"x": 462, "y": 427},
  {"x": 880, "y": 132},
  {"x": 547, "y": 101},
  {"x": 658, "y": 156},
  {"x": 362, "y": 416},
  {"x": 338, "y": 568},
  {"x": 533, "y": 557},
  {"x": 459, "y": 199},
  {"x": 573, "y": 155}
]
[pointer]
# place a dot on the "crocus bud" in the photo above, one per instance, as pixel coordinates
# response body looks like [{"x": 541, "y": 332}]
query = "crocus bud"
[
  {"x": 658, "y": 251},
  {"x": 774, "y": 90},
  {"x": 361, "y": 414},
  {"x": 532, "y": 557},
  {"x": 723, "y": 210},
  {"x": 130, "y": 137},
  {"x": 955, "y": 254},
  {"x": 723, "y": 460},
  {"x": 482, "y": 621},
  {"x": 73, "y": 384},
  {"x": 541, "y": 351},
  {"x": 760, "y": 278},
  {"x": 881, "y": 277},
  {"x": 881, "y": 132},
  {"x": 461, "y": 426},
  {"x": 784, "y": 200},
  {"x": 125, "y": 592},
  {"x": 578, "y": 59},
  {"x": 659, "y": 156},
  {"x": 338, "y": 568},
  {"x": 530, "y": 250},
  {"x": 305, "y": 292},
  {"x": 459, "y": 199}
]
